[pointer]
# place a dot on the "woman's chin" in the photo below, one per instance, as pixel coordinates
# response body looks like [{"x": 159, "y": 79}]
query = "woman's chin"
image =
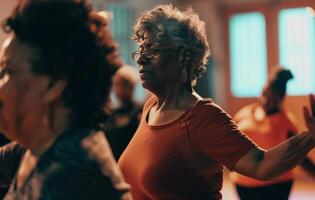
[{"x": 145, "y": 84}]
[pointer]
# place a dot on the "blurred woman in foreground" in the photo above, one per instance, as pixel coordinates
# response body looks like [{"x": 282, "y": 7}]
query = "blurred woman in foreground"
[{"x": 56, "y": 69}]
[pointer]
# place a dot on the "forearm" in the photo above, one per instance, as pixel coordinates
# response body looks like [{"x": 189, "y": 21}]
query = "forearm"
[{"x": 285, "y": 156}]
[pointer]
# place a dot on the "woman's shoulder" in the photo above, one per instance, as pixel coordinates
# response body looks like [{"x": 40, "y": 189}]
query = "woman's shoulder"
[
  {"x": 87, "y": 151},
  {"x": 207, "y": 106},
  {"x": 78, "y": 143},
  {"x": 207, "y": 110}
]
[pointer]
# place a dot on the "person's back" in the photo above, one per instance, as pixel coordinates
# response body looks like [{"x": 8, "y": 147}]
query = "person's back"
[
  {"x": 268, "y": 124},
  {"x": 267, "y": 132}
]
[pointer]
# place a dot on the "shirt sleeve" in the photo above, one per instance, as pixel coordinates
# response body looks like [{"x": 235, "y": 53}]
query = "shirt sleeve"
[{"x": 213, "y": 132}]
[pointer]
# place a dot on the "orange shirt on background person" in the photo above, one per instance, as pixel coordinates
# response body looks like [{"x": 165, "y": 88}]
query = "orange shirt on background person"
[
  {"x": 183, "y": 159},
  {"x": 267, "y": 132}
]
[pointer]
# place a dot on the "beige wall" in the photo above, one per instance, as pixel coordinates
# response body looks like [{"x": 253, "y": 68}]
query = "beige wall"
[{"x": 6, "y": 7}]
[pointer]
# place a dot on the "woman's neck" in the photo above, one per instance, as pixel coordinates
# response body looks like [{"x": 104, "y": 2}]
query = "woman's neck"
[
  {"x": 44, "y": 135},
  {"x": 179, "y": 98}
]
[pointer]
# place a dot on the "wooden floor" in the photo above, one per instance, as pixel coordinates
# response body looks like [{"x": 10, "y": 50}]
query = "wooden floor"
[{"x": 303, "y": 189}]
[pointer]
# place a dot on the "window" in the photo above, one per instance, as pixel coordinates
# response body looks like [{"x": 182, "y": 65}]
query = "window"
[
  {"x": 248, "y": 54},
  {"x": 121, "y": 27},
  {"x": 123, "y": 19},
  {"x": 291, "y": 42},
  {"x": 297, "y": 48}
]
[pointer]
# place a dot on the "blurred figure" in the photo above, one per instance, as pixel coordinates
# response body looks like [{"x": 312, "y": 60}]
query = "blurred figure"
[
  {"x": 183, "y": 140},
  {"x": 55, "y": 77},
  {"x": 268, "y": 124},
  {"x": 124, "y": 119}
]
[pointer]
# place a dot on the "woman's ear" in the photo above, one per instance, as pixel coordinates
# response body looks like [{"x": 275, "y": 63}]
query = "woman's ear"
[
  {"x": 185, "y": 58},
  {"x": 54, "y": 90}
]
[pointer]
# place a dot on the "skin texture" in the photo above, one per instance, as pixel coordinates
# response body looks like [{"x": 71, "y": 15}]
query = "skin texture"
[{"x": 22, "y": 94}]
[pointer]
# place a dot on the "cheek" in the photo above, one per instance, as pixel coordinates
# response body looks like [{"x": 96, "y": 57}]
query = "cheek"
[
  {"x": 10, "y": 111},
  {"x": 19, "y": 100}
]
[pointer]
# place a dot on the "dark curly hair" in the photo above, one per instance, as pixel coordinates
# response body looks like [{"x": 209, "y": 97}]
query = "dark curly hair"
[
  {"x": 278, "y": 80},
  {"x": 74, "y": 43}
]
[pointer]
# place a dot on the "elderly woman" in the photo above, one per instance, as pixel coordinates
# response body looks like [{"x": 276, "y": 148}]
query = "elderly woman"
[
  {"x": 268, "y": 124},
  {"x": 183, "y": 140},
  {"x": 55, "y": 76}
]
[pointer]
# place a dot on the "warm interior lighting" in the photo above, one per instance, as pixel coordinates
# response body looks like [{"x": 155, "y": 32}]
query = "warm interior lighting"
[
  {"x": 106, "y": 14},
  {"x": 311, "y": 11}
]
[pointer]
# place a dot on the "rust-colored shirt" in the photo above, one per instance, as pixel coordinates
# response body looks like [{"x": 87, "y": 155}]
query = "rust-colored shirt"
[
  {"x": 183, "y": 159},
  {"x": 267, "y": 132}
]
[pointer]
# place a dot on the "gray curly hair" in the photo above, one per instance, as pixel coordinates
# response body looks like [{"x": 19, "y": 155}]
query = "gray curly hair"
[{"x": 184, "y": 27}]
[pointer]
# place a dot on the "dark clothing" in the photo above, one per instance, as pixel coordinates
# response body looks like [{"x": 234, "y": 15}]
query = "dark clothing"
[
  {"x": 3, "y": 140},
  {"x": 10, "y": 157},
  {"x": 3, "y": 164},
  {"x": 121, "y": 126},
  {"x": 279, "y": 191},
  {"x": 79, "y": 165}
]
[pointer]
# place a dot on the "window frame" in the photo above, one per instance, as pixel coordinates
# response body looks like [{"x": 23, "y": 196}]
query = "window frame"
[{"x": 270, "y": 10}]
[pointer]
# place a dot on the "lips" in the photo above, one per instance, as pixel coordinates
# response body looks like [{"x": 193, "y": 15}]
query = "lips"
[{"x": 144, "y": 73}]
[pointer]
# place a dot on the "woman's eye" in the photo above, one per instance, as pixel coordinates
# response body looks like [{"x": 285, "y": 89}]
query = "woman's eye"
[{"x": 3, "y": 72}]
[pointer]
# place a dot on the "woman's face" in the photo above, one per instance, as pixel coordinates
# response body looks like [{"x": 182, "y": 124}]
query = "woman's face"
[
  {"x": 123, "y": 88},
  {"x": 159, "y": 66},
  {"x": 21, "y": 91}
]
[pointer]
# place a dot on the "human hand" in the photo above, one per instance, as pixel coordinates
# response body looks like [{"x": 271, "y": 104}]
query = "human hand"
[{"x": 309, "y": 118}]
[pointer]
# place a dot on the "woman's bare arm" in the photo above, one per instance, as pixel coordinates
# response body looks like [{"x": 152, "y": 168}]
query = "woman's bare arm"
[{"x": 265, "y": 165}]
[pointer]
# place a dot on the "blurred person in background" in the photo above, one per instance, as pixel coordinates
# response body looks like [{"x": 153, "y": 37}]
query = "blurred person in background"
[
  {"x": 125, "y": 117},
  {"x": 268, "y": 124},
  {"x": 55, "y": 77},
  {"x": 183, "y": 140}
]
